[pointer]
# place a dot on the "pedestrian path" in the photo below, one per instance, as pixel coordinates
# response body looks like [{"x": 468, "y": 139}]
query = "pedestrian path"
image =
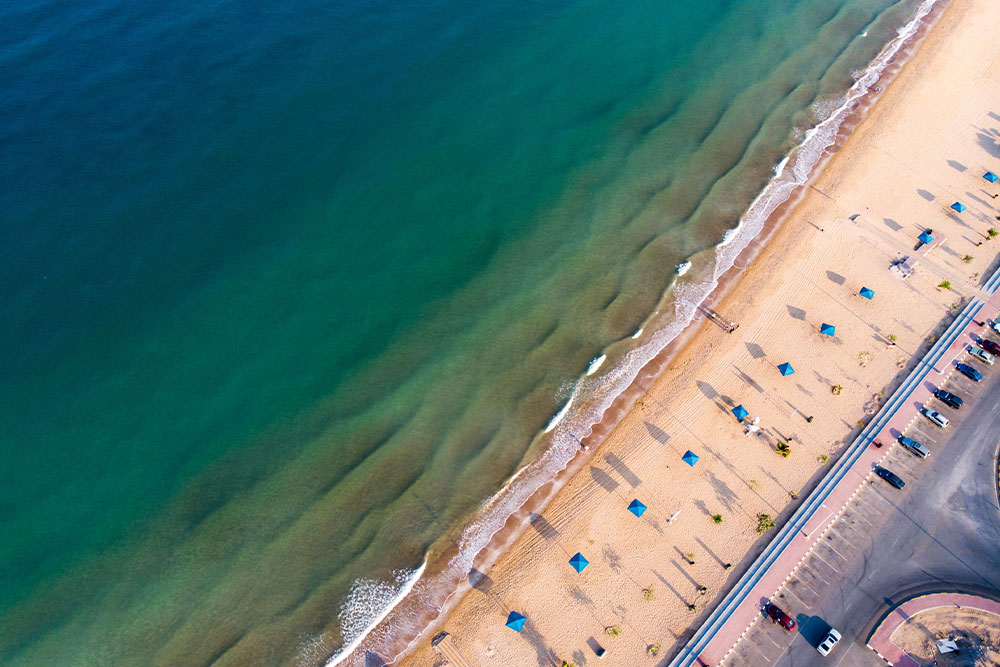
[{"x": 880, "y": 641}]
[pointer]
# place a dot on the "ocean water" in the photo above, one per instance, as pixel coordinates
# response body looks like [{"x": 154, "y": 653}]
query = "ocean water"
[{"x": 298, "y": 297}]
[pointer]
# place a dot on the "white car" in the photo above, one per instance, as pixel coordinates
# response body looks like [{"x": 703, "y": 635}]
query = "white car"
[
  {"x": 935, "y": 417},
  {"x": 982, "y": 355},
  {"x": 831, "y": 639},
  {"x": 995, "y": 325}
]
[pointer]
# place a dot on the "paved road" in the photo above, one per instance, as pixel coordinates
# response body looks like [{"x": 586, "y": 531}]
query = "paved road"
[{"x": 941, "y": 532}]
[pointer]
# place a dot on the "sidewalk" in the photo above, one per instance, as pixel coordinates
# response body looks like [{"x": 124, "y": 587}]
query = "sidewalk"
[
  {"x": 892, "y": 654},
  {"x": 730, "y": 621}
]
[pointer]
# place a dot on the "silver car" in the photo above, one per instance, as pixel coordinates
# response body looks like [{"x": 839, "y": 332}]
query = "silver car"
[
  {"x": 935, "y": 417},
  {"x": 982, "y": 355},
  {"x": 831, "y": 639}
]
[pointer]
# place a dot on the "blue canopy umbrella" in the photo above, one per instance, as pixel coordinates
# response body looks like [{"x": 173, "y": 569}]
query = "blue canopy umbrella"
[
  {"x": 690, "y": 458},
  {"x": 740, "y": 412},
  {"x": 579, "y": 562},
  {"x": 786, "y": 368},
  {"x": 515, "y": 621},
  {"x": 636, "y": 508},
  {"x": 925, "y": 237},
  {"x": 867, "y": 292},
  {"x": 958, "y": 206},
  {"x": 828, "y": 329},
  {"x": 990, "y": 176}
]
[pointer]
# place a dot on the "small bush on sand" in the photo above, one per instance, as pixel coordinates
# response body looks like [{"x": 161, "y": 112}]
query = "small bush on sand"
[
  {"x": 613, "y": 630},
  {"x": 968, "y": 258},
  {"x": 764, "y": 523},
  {"x": 648, "y": 594},
  {"x": 784, "y": 449},
  {"x": 836, "y": 389},
  {"x": 991, "y": 232},
  {"x": 945, "y": 284},
  {"x": 824, "y": 458},
  {"x": 717, "y": 518},
  {"x": 653, "y": 649}
]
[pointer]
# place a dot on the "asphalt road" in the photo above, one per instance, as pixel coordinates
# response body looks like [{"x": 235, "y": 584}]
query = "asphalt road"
[{"x": 941, "y": 532}]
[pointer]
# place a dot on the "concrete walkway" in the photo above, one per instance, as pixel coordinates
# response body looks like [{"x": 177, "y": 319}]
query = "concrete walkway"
[
  {"x": 892, "y": 654},
  {"x": 724, "y": 628}
]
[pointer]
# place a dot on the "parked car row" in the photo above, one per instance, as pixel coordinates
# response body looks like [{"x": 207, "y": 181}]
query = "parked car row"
[{"x": 988, "y": 354}]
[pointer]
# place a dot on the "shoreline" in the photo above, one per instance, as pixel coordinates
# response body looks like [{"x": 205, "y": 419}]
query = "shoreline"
[{"x": 625, "y": 403}]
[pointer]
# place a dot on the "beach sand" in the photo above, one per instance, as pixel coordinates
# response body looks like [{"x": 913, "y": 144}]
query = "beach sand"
[{"x": 926, "y": 142}]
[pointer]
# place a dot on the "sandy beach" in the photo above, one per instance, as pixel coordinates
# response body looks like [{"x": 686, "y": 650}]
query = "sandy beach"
[{"x": 926, "y": 141}]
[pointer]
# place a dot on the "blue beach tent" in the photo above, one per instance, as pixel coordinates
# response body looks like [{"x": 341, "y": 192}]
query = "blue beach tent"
[
  {"x": 990, "y": 176},
  {"x": 867, "y": 292},
  {"x": 958, "y": 206},
  {"x": 636, "y": 508},
  {"x": 828, "y": 329},
  {"x": 925, "y": 237},
  {"x": 740, "y": 412},
  {"x": 515, "y": 621},
  {"x": 579, "y": 562},
  {"x": 690, "y": 458},
  {"x": 786, "y": 368}
]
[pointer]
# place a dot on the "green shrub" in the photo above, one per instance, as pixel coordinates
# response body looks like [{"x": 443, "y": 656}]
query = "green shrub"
[
  {"x": 613, "y": 630},
  {"x": 764, "y": 523},
  {"x": 717, "y": 518}
]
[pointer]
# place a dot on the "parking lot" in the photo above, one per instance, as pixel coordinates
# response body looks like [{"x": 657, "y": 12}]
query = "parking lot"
[{"x": 888, "y": 539}]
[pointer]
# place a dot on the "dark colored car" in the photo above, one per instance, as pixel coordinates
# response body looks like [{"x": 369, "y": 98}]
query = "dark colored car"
[
  {"x": 779, "y": 617},
  {"x": 969, "y": 372},
  {"x": 949, "y": 399},
  {"x": 890, "y": 477},
  {"x": 990, "y": 346}
]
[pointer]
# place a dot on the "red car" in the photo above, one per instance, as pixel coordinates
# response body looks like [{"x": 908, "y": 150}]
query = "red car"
[
  {"x": 989, "y": 346},
  {"x": 779, "y": 617}
]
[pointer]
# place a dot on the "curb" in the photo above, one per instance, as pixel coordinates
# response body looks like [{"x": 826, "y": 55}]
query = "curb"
[
  {"x": 702, "y": 638},
  {"x": 889, "y": 613}
]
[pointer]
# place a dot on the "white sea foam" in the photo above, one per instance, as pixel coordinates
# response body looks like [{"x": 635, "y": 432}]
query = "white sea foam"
[
  {"x": 565, "y": 409},
  {"x": 367, "y": 605},
  {"x": 683, "y": 268},
  {"x": 595, "y": 364},
  {"x": 594, "y": 395}
]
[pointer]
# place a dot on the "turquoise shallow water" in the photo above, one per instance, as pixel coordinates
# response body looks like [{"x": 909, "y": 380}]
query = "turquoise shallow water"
[{"x": 289, "y": 290}]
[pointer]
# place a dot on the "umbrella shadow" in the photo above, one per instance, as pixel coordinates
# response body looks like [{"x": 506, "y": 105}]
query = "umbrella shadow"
[
  {"x": 604, "y": 480},
  {"x": 658, "y": 433},
  {"x": 747, "y": 379},
  {"x": 755, "y": 350},
  {"x": 578, "y": 595},
  {"x": 988, "y": 143},
  {"x": 925, "y": 194},
  {"x": 835, "y": 278},
  {"x": 892, "y": 224},
  {"x": 700, "y": 504},
  {"x": 480, "y": 581},
  {"x": 611, "y": 557},
  {"x": 619, "y": 466},
  {"x": 955, "y": 217},
  {"x": 707, "y": 389},
  {"x": 797, "y": 313},
  {"x": 957, "y": 166},
  {"x": 803, "y": 389},
  {"x": 723, "y": 493},
  {"x": 546, "y": 656},
  {"x": 542, "y": 526}
]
